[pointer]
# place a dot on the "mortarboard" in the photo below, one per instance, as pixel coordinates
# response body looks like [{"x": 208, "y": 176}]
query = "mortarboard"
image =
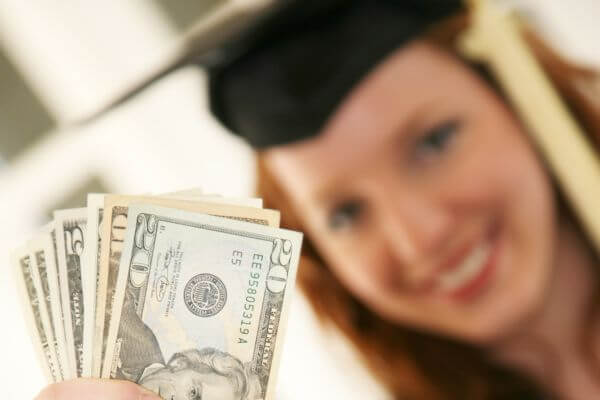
[{"x": 279, "y": 81}]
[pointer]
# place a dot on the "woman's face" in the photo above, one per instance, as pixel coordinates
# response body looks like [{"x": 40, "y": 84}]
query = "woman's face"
[{"x": 426, "y": 199}]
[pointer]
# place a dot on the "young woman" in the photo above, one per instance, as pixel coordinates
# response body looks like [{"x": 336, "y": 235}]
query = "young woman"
[{"x": 435, "y": 235}]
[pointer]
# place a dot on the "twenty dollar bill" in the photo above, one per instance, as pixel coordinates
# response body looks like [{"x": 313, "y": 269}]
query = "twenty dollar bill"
[{"x": 200, "y": 304}]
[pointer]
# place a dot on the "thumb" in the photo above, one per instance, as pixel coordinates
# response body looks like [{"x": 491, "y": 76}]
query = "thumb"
[{"x": 95, "y": 389}]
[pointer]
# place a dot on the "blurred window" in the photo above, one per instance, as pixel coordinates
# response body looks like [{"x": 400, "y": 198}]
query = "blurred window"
[{"x": 23, "y": 118}]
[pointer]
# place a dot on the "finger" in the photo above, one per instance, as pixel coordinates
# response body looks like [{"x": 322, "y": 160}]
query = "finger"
[{"x": 96, "y": 389}]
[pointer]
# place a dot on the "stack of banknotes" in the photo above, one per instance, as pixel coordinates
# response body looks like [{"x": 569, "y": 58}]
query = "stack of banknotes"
[{"x": 183, "y": 293}]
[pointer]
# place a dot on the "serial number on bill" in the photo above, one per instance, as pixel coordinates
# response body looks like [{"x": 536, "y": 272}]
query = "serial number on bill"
[{"x": 251, "y": 290}]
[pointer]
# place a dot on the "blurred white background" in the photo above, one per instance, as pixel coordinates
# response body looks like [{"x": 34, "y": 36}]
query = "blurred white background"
[{"x": 63, "y": 62}]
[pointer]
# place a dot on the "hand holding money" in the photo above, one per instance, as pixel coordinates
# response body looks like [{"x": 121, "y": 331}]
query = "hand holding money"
[{"x": 183, "y": 294}]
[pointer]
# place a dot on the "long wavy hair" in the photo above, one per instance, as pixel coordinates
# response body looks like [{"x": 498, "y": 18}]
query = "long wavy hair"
[{"x": 417, "y": 365}]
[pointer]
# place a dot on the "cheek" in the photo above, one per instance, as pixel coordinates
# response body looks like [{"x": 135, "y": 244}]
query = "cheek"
[
  {"x": 351, "y": 266},
  {"x": 514, "y": 182},
  {"x": 356, "y": 265},
  {"x": 500, "y": 173},
  {"x": 508, "y": 180}
]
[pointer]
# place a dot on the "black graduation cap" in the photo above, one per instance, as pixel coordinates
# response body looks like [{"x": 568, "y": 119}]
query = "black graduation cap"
[{"x": 280, "y": 80}]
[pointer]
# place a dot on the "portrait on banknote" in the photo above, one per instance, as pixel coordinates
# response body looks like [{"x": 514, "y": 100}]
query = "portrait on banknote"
[
  {"x": 196, "y": 373},
  {"x": 206, "y": 373}
]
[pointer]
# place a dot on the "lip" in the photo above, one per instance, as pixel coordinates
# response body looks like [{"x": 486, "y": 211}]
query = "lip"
[
  {"x": 479, "y": 282},
  {"x": 474, "y": 286}
]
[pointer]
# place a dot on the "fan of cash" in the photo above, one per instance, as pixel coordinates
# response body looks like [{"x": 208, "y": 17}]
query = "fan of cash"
[{"x": 182, "y": 293}]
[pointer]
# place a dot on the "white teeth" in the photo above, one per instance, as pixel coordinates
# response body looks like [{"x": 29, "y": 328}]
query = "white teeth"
[{"x": 470, "y": 266}]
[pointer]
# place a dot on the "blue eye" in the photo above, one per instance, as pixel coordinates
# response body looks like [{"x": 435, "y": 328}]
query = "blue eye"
[
  {"x": 437, "y": 139},
  {"x": 344, "y": 215}
]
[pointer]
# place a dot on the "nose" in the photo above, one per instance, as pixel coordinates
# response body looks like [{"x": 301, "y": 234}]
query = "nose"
[{"x": 414, "y": 230}]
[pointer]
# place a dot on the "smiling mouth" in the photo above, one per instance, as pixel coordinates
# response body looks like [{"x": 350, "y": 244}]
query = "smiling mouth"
[{"x": 472, "y": 270}]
